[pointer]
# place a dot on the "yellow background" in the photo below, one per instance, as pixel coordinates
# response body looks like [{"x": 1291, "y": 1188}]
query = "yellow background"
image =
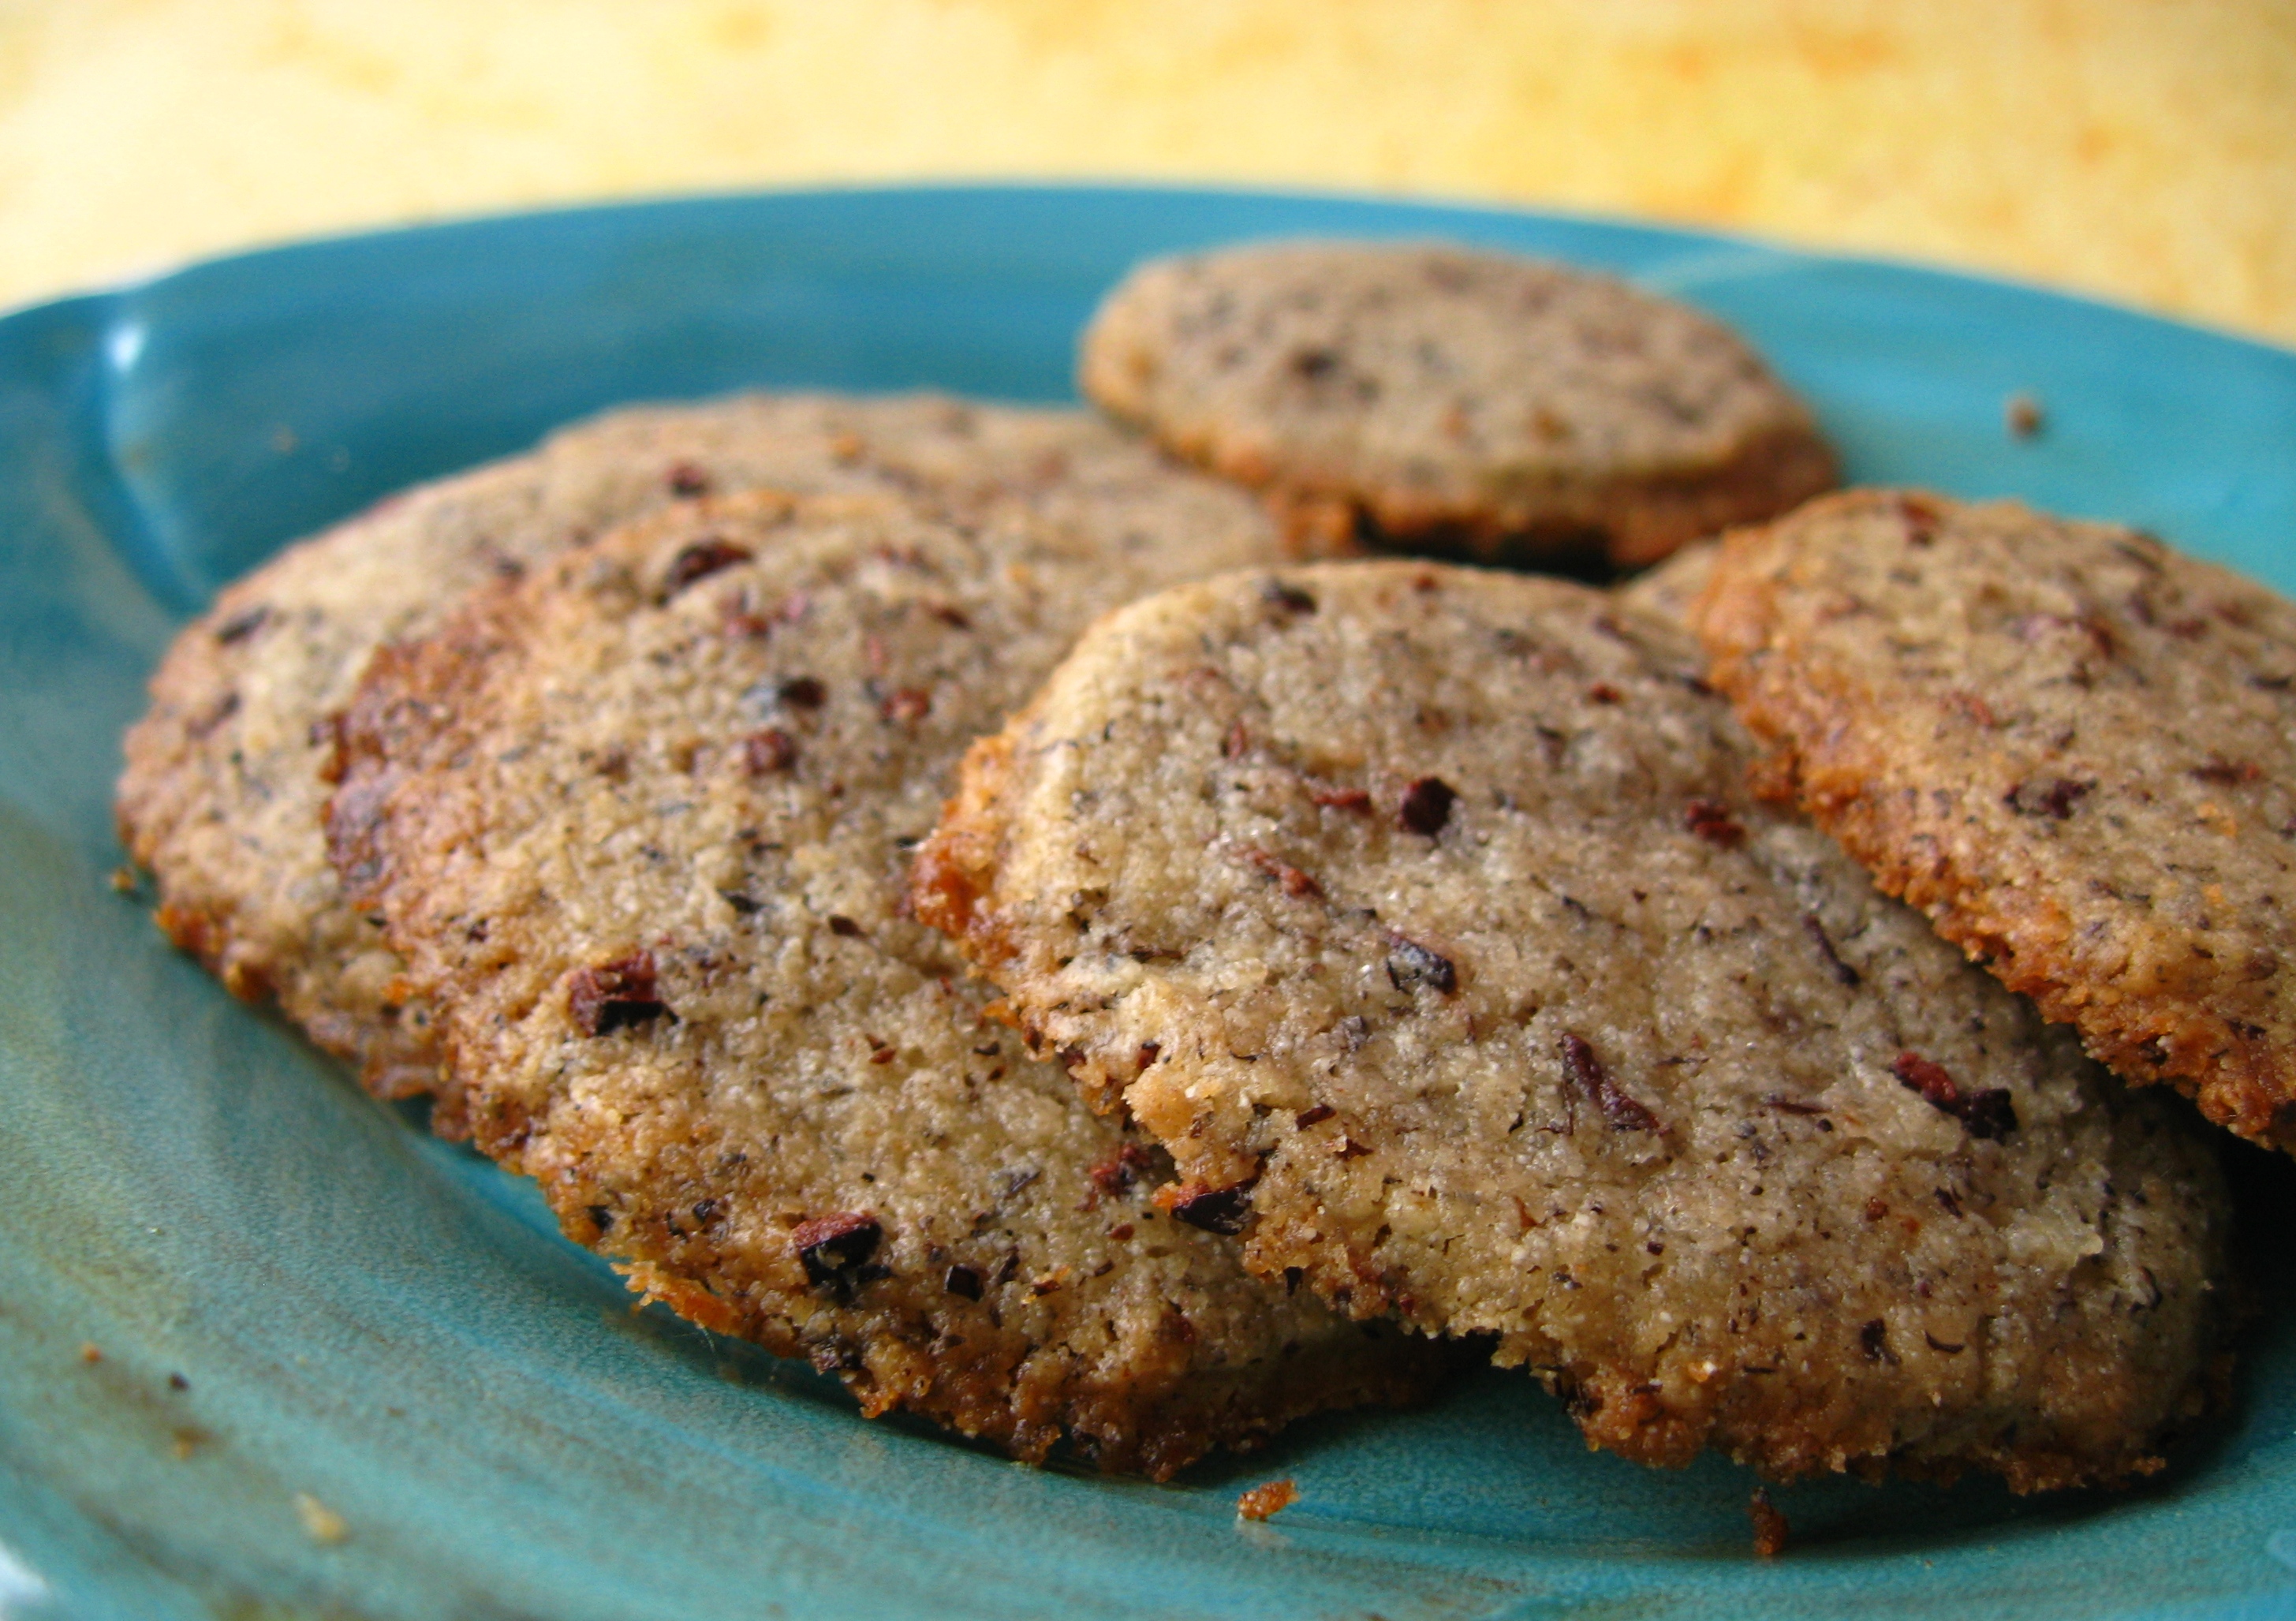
[{"x": 2144, "y": 149}]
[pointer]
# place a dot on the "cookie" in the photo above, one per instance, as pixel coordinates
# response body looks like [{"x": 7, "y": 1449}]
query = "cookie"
[
  {"x": 2071, "y": 746},
  {"x": 639, "y": 829},
  {"x": 221, "y": 795},
  {"x": 1455, "y": 399},
  {"x": 1672, "y": 589},
  {"x": 1424, "y": 916}
]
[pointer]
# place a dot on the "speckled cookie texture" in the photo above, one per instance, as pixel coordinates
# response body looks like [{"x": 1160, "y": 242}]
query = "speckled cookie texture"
[
  {"x": 2071, "y": 746},
  {"x": 1447, "y": 398},
  {"x": 640, "y": 828},
  {"x": 1425, "y": 916},
  {"x": 222, "y": 791}
]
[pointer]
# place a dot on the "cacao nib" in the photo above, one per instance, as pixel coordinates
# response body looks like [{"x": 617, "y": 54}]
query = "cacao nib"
[
  {"x": 685, "y": 479},
  {"x": 1988, "y": 1114},
  {"x": 1929, "y": 1078},
  {"x": 1314, "y": 1115},
  {"x": 1843, "y": 972},
  {"x": 1289, "y": 598},
  {"x": 768, "y": 751},
  {"x": 962, "y": 1280},
  {"x": 1587, "y": 1073},
  {"x": 804, "y": 693},
  {"x": 2055, "y": 798},
  {"x": 1410, "y": 965},
  {"x": 836, "y": 1249},
  {"x": 2227, "y": 774},
  {"x": 1123, "y": 1168},
  {"x": 1714, "y": 824},
  {"x": 1873, "y": 1340},
  {"x": 1294, "y": 883},
  {"x": 1214, "y": 1210},
  {"x": 700, "y": 560},
  {"x": 615, "y": 996},
  {"x": 1426, "y": 806}
]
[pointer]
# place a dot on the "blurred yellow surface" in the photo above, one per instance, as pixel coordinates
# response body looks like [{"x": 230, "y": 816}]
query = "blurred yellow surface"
[{"x": 2143, "y": 150}]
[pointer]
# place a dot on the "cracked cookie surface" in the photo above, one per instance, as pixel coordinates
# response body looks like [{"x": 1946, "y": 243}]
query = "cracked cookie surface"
[{"x": 1425, "y": 916}]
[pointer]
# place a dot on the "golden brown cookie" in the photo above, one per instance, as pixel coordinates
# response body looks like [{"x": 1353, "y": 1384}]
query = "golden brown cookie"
[
  {"x": 1455, "y": 398},
  {"x": 639, "y": 829},
  {"x": 2070, "y": 745},
  {"x": 221, "y": 794},
  {"x": 1425, "y": 917}
]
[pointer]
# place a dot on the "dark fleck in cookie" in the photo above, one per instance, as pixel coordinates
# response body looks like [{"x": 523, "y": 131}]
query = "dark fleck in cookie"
[
  {"x": 1473, "y": 400},
  {"x": 640, "y": 828},
  {"x": 221, "y": 795},
  {"x": 2072, "y": 746},
  {"x": 1425, "y": 917}
]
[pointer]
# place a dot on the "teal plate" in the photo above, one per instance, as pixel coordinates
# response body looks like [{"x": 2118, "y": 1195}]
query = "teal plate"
[{"x": 297, "y": 1297}]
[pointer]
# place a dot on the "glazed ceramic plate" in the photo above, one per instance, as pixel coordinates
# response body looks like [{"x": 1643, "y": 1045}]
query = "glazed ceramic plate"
[{"x": 268, "y": 1350}]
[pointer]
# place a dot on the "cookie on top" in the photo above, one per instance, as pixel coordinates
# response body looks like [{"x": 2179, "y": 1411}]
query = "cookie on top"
[{"x": 1439, "y": 397}]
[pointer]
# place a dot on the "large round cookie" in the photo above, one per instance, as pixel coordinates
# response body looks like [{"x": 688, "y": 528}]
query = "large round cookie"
[
  {"x": 1424, "y": 916},
  {"x": 221, "y": 794},
  {"x": 640, "y": 828},
  {"x": 2074, "y": 747},
  {"x": 1474, "y": 399}
]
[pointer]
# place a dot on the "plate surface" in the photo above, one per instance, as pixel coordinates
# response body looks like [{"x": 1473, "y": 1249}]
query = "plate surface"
[{"x": 364, "y": 1319}]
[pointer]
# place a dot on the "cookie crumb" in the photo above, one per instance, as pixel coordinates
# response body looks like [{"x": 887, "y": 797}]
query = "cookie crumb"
[
  {"x": 1770, "y": 1528},
  {"x": 123, "y": 880},
  {"x": 88, "y": 1352},
  {"x": 321, "y": 1523},
  {"x": 2023, "y": 413},
  {"x": 1264, "y": 1501}
]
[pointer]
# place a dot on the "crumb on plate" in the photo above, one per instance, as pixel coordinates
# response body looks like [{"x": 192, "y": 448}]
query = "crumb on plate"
[{"x": 1262, "y": 1502}]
